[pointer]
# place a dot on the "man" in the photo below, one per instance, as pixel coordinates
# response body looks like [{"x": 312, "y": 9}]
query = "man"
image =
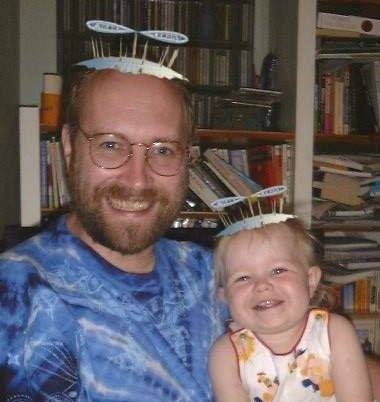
[{"x": 99, "y": 308}]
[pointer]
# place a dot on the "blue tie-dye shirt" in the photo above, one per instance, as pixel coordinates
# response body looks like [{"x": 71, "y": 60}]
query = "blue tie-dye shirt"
[{"x": 75, "y": 328}]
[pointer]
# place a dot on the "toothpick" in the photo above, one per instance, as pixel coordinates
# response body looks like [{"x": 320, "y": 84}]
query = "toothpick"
[
  {"x": 101, "y": 48},
  {"x": 241, "y": 213},
  {"x": 145, "y": 51},
  {"x": 93, "y": 47},
  {"x": 281, "y": 204},
  {"x": 222, "y": 218},
  {"x": 259, "y": 206},
  {"x": 250, "y": 206},
  {"x": 173, "y": 58},
  {"x": 134, "y": 45},
  {"x": 163, "y": 56}
]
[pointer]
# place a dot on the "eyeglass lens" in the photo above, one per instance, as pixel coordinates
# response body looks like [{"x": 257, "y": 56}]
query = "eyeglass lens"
[{"x": 111, "y": 151}]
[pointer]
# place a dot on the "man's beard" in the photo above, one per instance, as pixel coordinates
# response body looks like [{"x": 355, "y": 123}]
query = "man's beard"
[{"x": 125, "y": 238}]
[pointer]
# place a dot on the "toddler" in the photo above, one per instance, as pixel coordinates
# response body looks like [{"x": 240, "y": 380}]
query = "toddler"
[{"x": 278, "y": 347}]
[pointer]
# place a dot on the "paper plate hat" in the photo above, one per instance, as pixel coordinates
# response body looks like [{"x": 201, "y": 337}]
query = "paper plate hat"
[
  {"x": 250, "y": 215},
  {"x": 102, "y": 58}
]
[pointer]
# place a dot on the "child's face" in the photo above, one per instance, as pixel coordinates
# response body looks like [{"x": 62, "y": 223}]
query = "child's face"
[{"x": 269, "y": 283}]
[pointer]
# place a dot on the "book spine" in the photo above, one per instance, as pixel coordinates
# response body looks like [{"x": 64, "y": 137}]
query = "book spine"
[
  {"x": 200, "y": 188},
  {"x": 55, "y": 194},
  {"x": 338, "y": 104},
  {"x": 348, "y": 23},
  {"x": 225, "y": 170},
  {"x": 329, "y": 104},
  {"x": 44, "y": 173}
]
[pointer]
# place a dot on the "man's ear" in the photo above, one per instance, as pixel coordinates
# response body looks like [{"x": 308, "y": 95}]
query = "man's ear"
[
  {"x": 66, "y": 144},
  {"x": 314, "y": 276}
]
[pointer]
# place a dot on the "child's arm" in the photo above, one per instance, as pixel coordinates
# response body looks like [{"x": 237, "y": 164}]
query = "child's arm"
[
  {"x": 373, "y": 363},
  {"x": 224, "y": 372},
  {"x": 349, "y": 369}
]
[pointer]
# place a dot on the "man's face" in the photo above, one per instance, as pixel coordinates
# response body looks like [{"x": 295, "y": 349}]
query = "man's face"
[{"x": 128, "y": 208}]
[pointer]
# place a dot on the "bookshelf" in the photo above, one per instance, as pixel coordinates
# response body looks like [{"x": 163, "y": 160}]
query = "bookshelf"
[
  {"x": 218, "y": 58},
  {"x": 346, "y": 123},
  {"x": 221, "y": 38},
  {"x": 273, "y": 27},
  {"x": 280, "y": 23}
]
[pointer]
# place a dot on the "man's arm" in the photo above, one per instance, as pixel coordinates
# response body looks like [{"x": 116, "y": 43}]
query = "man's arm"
[
  {"x": 349, "y": 369},
  {"x": 224, "y": 372}
]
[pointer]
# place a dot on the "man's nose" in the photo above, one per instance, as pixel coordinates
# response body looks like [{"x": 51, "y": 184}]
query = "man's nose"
[{"x": 136, "y": 171}]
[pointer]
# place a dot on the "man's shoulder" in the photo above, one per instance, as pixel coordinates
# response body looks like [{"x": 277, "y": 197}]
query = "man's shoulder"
[{"x": 23, "y": 258}]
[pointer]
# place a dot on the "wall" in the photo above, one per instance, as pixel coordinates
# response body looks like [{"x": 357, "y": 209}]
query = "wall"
[
  {"x": 9, "y": 99},
  {"x": 38, "y": 52},
  {"x": 27, "y": 50}
]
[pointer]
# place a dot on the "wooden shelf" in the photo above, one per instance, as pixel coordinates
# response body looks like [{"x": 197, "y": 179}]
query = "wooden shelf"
[
  {"x": 351, "y": 2},
  {"x": 241, "y": 137},
  {"x": 360, "y": 227},
  {"x": 359, "y": 139}
]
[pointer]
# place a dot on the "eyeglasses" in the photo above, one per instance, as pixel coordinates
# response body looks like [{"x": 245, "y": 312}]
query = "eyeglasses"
[{"x": 111, "y": 151}]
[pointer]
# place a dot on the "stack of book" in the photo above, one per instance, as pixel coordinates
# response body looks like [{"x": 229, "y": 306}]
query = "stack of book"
[
  {"x": 248, "y": 109},
  {"x": 53, "y": 175},
  {"x": 347, "y": 93},
  {"x": 212, "y": 177},
  {"x": 345, "y": 189},
  {"x": 352, "y": 271},
  {"x": 222, "y": 172},
  {"x": 349, "y": 257},
  {"x": 368, "y": 331}
]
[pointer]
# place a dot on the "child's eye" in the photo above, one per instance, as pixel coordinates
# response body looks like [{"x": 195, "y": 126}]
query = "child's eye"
[
  {"x": 242, "y": 278},
  {"x": 278, "y": 271}
]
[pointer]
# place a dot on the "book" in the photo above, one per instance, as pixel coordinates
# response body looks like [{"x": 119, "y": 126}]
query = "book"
[
  {"x": 336, "y": 33},
  {"x": 230, "y": 176},
  {"x": 346, "y": 255},
  {"x": 44, "y": 173},
  {"x": 336, "y": 187},
  {"x": 210, "y": 179},
  {"x": 368, "y": 332},
  {"x": 30, "y": 193},
  {"x": 369, "y": 181},
  {"x": 265, "y": 164},
  {"x": 343, "y": 171},
  {"x": 360, "y": 263},
  {"x": 368, "y": 26},
  {"x": 341, "y": 275},
  {"x": 200, "y": 188},
  {"x": 239, "y": 160},
  {"x": 333, "y": 160},
  {"x": 348, "y": 243},
  {"x": 53, "y": 155},
  {"x": 371, "y": 78},
  {"x": 61, "y": 171},
  {"x": 349, "y": 45}
]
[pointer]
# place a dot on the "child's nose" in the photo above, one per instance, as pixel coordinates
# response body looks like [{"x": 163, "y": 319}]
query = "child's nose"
[{"x": 262, "y": 284}]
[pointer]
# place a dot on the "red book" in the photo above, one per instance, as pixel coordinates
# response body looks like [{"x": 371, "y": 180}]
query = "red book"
[
  {"x": 265, "y": 164},
  {"x": 329, "y": 104}
]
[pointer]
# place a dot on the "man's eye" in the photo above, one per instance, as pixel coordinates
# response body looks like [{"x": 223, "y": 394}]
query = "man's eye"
[
  {"x": 109, "y": 146},
  {"x": 278, "y": 271},
  {"x": 163, "y": 150}
]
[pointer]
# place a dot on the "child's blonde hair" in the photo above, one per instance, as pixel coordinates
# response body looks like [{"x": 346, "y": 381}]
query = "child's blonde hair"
[{"x": 308, "y": 244}]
